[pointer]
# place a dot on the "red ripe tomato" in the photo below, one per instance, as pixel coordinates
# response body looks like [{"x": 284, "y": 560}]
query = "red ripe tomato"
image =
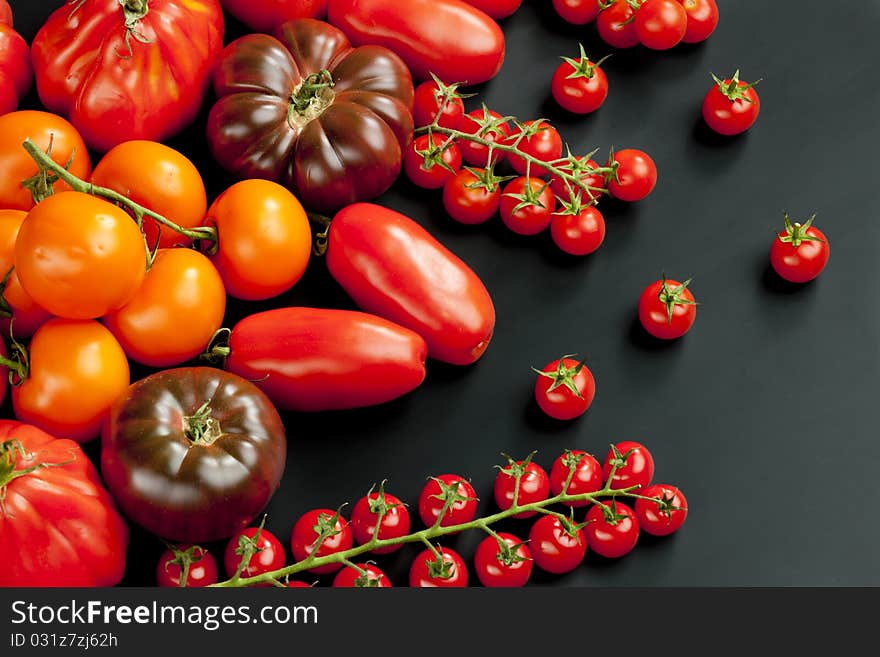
[
  {"x": 431, "y": 98},
  {"x": 450, "y": 492},
  {"x": 58, "y": 525},
  {"x": 5, "y": 13},
  {"x": 295, "y": 584},
  {"x": 430, "y": 162},
  {"x": 565, "y": 388},
  {"x": 496, "y": 8},
  {"x": 577, "y": 12},
  {"x": 470, "y": 200},
  {"x": 322, "y": 532},
  {"x": 538, "y": 139},
  {"x": 666, "y": 514},
  {"x": 732, "y": 106},
  {"x": 578, "y": 233},
  {"x": 366, "y": 575},
  {"x": 612, "y": 529},
  {"x": 634, "y": 176},
  {"x": 667, "y": 309},
  {"x": 702, "y": 19},
  {"x": 635, "y": 465},
  {"x": 534, "y": 485},
  {"x": 661, "y": 24},
  {"x": 365, "y": 514},
  {"x": 15, "y": 68},
  {"x": 587, "y": 476},
  {"x": 527, "y": 205},
  {"x": 17, "y": 308},
  {"x": 427, "y": 571},
  {"x": 266, "y": 15},
  {"x": 800, "y": 252},
  {"x": 489, "y": 126},
  {"x": 616, "y": 26},
  {"x": 556, "y": 547},
  {"x": 579, "y": 85},
  {"x": 267, "y": 553},
  {"x": 186, "y": 565},
  {"x": 504, "y": 561},
  {"x": 98, "y": 63}
]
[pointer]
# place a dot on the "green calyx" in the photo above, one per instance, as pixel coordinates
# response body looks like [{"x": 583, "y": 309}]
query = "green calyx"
[
  {"x": 310, "y": 98},
  {"x": 796, "y": 234},
  {"x": 564, "y": 375},
  {"x": 439, "y": 568},
  {"x": 201, "y": 427},
  {"x": 610, "y": 513},
  {"x": 487, "y": 125},
  {"x": 325, "y": 528},
  {"x": 378, "y": 503},
  {"x": 665, "y": 504},
  {"x": 674, "y": 296},
  {"x": 432, "y": 155},
  {"x": 446, "y": 93},
  {"x": 486, "y": 178},
  {"x": 184, "y": 558},
  {"x": 735, "y": 89},
  {"x": 509, "y": 554},
  {"x": 582, "y": 67},
  {"x": 530, "y": 196}
]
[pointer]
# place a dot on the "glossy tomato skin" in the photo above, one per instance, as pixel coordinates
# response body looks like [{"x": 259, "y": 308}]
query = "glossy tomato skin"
[
  {"x": 435, "y": 175},
  {"x": 15, "y": 68},
  {"x": 731, "y": 117},
  {"x": 636, "y": 175},
  {"x": 202, "y": 569},
  {"x": 420, "y": 575},
  {"x": 5, "y": 13},
  {"x": 496, "y": 8},
  {"x": 638, "y": 469},
  {"x": 431, "y": 502},
  {"x": 467, "y": 201},
  {"x": 577, "y": 12},
  {"x": 534, "y": 486},
  {"x": 654, "y": 316},
  {"x": 702, "y": 19},
  {"x": 427, "y": 103},
  {"x": 616, "y": 26},
  {"x": 562, "y": 403},
  {"x": 554, "y": 549},
  {"x": 494, "y": 573},
  {"x": 393, "y": 267},
  {"x": 542, "y": 142},
  {"x": 27, "y": 315},
  {"x": 268, "y": 557},
  {"x": 303, "y": 538},
  {"x": 530, "y": 219},
  {"x": 579, "y": 234},
  {"x": 475, "y": 154},
  {"x": 582, "y": 94},
  {"x": 77, "y": 371},
  {"x": 316, "y": 359},
  {"x": 587, "y": 478},
  {"x": 661, "y": 24},
  {"x": 395, "y": 522},
  {"x": 87, "y": 62},
  {"x": 60, "y": 526},
  {"x": 341, "y": 144},
  {"x": 349, "y": 577},
  {"x": 16, "y": 165},
  {"x": 193, "y": 489},
  {"x": 266, "y": 15},
  {"x": 660, "y": 520},
  {"x": 612, "y": 539},
  {"x": 803, "y": 263}
]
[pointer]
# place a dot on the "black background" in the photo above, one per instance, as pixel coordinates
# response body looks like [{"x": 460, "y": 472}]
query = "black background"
[{"x": 764, "y": 414}]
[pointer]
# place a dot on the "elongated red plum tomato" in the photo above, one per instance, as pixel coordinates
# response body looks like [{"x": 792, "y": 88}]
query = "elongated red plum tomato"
[
  {"x": 503, "y": 562},
  {"x": 527, "y": 205},
  {"x": 186, "y": 565},
  {"x": 580, "y": 232},
  {"x": 431, "y": 161},
  {"x": 393, "y": 267},
  {"x": 661, "y": 24},
  {"x": 267, "y": 552},
  {"x": 322, "y": 532},
  {"x": 450, "y": 492},
  {"x": 429, "y": 571},
  {"x": 616, "y": 26},
  {"x": 496, "y": 8},
  {"x": 21, "y": 310},
  {"x": 431, "y": 98},
  {"x": 316, "y": 359},
  {"x": 449, "y": 38},
  {"x": 666, "y": 514},
  {"x": 634, "y": 176},
  {"x": 702, "y": 19},
  {"x": 579, "y": 85},
  {"x": 635, "y": 465},
  {"x": 487, "y": 125},
  {"x": 587, "y": 476},
  {"x": 538, "y": 139},
  {"x": 265, "y": 15},
  {"x": 59, "y": 526},
  {"x": 556, "y": 547},
  {"x": 612, "y": 529},
  {"x": 534, "y": 486},
  {"x": 577, "y": 12},
  {"x": 365, "y": 575},
  {"x": 731, "y": 106},
  {"x": 565, "y": 388},
  {"x": 472, "y": 196},
  {"x": 800, "y": 252},
  {"x": 365, "y": 514},
  {"x": 667, "y": 309}
]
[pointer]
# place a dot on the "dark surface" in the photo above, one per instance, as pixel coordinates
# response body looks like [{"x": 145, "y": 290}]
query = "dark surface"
[{"x": 764, "y": 414}]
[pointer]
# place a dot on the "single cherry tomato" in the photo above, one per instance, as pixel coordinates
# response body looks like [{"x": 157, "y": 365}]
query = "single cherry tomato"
[
  {"x": 800, "y": 252},
  {"x": 661, "y": 24},
  {"x": 586, "y": 478},
  {"x": 322, "y": 531},
  {"x": 702, "y": 19},
  {"x": 450, "y": 492},
  {"x": 431, "y": 98},
  {"x": 667, "y": 309},
  {"x": 527, "y": 205},
  {"x": 365, "y": 515},
  {"x": 635, "y": 465},
  {"x": 731, "y": 106},
  {"x": 472, "y": 196},
  {"x": 487, "y": 125},
  {"x": 429, "y": 571},
  {"x": 534, "y": 485},
  {"x": 186, "y": 565},
  {"x": 634, "y": 175},
  {"x": 429, "y": 163},
  {"x": 538, "y": 139},
  {"x": 557, "y": 547},
  {"x": 19, "y": 310},
  {"x": 565, "y": 388},
  {"x": 577, "y": 12},
  {"x": 612, "y": 529},
  {"x": 266, "y": 552},
  {"x": 366, "y": 575},
  {"x": 666, "y": 514},
  {"x": 578, "y": 232},
  {"x": 504, "y": 561},
  {"x": 583, "y": 169},
  {"x": 616, "y": 26},
  {"x": 579, "y": 85}
]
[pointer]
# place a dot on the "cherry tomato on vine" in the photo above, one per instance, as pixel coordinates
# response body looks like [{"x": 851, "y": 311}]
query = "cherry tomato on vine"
[
  {"x": 462, "y": 498},
  {"x": 634, "y": 175},
  {"x": 503, "y": 563},
  {"x": 587, "y": 477},
  {"x": 557, "y": 547},
  {"x": 616, "y": 26},
  {"x": 199, "y": 565},
  {"x": 365, "y": 514},
  {"x": 369, "y": 576},
  {"x": 612, "y": 529},
  {"x": 432, "y": 95},
  {"x": 800, "y": 252},
  {"x": 667, "y": 309},
  {"x": 527, "y": 205},
  {"x": 579, "y": 85},
  {"x": 702, "y": 19},
  {"x": 584, "y": 170},
  {"x": 268, "y": 554},
  {"x": 427, "y": 571},
  {"x": 16, "y": 305},
  {"x": 666, "y": 514},
  {"x": 661, "y": 24},
  {"x": 470, "y": 200},
  {"x": 312, "y": 527},
  {"x": 537, "y": 139},
  {"x": 577, "y": 12},
  {"x": 296, "y": 584},
  {"x": 487, "y": 125},
  {"x": 429, "y": 163},
  {"x": 731, "y": 106},
  {"x": 565, "y": 388},
  {"x": 534, "y": 485},
  {"x": 635, "y": 465},
  {"x": 578, "y": 233}
]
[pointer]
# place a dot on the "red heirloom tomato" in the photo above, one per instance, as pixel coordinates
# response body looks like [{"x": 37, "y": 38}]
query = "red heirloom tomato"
[
  {"x": 666, "y": 514},
  {"x": 266, "y": 15},
  {"x": 5, "y": 13},
  {"x": 667, "y": 309},
  {"x": 538, "y": 139},
  {"x": 369, "y": 576},
  {"x": 393, "y": 267},
  {"x": 731, "y": 106},
  {"x": 616, "y": 26},
  {"x": 635, "y": 465},
  {"x": 429, "y": 571},
  {"x": 15, "y": 68},
  {"x": 577, "y": 12},
  {"x": 496, "y": 8},
  {"x": 307, "y": 110},
  {"x": 487, "y": 125},
  {"x": 193, "y": 454},
  {"x": 612, "y": 529},
  {"x": 448, "y": 38},
  {"x": 565, "y": 388},
  {"x": 58, "y": 525},
  {"x": 702, "y": 19},
  {"x": 16, "y": 305},
  {"x": 579, "y": 85},
  {"x": 587, "y": 477},
  {"x": 800, "y": 252},
  {"x": 556, "y": 547},
  {"x": 634, "y": 176},
  {"x": 534, "y": 486},
  {"x": 316, "y": 359},
  {"x": 469, "y": 199},
  {"x": 433, "y": 498},
  {"x": 661, "y": 24},
  {"x": 322, "y": 532},
  {"x": 365, "y": 514},
  {"x": 117, "y": 70},
  {"x": 503, "y": 562},
  {"x": 186, "y": 565},
  {"x": 429, "y": 163},
  {"x": 268, "y": 553}
]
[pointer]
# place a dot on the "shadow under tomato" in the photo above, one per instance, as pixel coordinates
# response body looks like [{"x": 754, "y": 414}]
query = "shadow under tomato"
[
  {"x": 775, "y": 284},
  {"x": 640, "y": 338},
  {"x": 705, "y": 136}
]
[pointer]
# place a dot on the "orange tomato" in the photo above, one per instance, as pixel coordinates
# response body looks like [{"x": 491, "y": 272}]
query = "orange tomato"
[
  {"x": 28, "y": 316},
  {"x": 76, "y": 371},
  {"x": 17, "y": 166},
  {"x": 264, "y": 239},
  {"x": 79, "y": 256},
  {"x": 159, "y": 178},
  {"x": 174, "y": 313}
]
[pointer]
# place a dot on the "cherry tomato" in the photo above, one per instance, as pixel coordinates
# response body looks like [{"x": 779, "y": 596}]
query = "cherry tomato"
[
  {"x": 556, "y": 548},
  {"x": 432, "y": 98},
  {"x": 702, "y": 19},
  {"x": 174, "y": 312},
  {"x": 369, "y": 576},
  {"x": 800, "y": 252},
  {"x": 584, "y": 169},
  {"x": 634, "y": 177},
  {"x": 268, "y": 554},
  {"x": 308, "y": 531},
  {"x": 469, "y": 200},
  {"x": 462, "y": 498},
  {"x": 199, "y": 565},
  {"x": 667, "y": 309},
  {"x": 527, "y": 205},
  {"x": 587, "y": 477},
  {"x": 507, "y": 566},
  {"x": 264, "y": 239},
  {"x": 296, "y": 584},
  {"x": 661, "y": 24},
  {"x": 565, "y": 388},
  {"x": 164, "y": 181},
  {"x": 489, "y": 126},
  {"x": 616, "y": 26},
  {"x": 577, "y": 12},
  {"x": 579, "y": 233},
  {"x": 427, "y": 571},
  {"x": 429, "y": 163},
  {"x": 732, "y": 106},
  {"x": 579, "y": 85},
  {"x": 635, "y": 465},
  {"x": 612, "y": 529},
  {"x": 538, "y": 139},
  {"x": 534, "y": 485},
  {"x": 365, "y": 514},
  {"x": 25, "y": 315},
  {"x": 666, "y": 514}
]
